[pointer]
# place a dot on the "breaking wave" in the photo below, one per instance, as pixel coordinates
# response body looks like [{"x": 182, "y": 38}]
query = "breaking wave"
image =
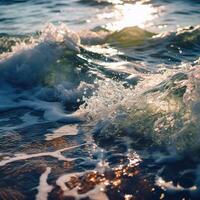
[{"x": 67, "y": 97}]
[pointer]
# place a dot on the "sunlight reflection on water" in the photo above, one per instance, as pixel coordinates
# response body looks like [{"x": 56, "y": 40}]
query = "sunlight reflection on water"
[{"x": 126, "y": 15}]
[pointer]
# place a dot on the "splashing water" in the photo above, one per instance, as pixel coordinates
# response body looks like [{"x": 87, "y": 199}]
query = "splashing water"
[{"x": 108, "y": 111}]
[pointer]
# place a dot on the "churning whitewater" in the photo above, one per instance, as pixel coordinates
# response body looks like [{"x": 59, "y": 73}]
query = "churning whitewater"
[{"x": 99, "y": 100}]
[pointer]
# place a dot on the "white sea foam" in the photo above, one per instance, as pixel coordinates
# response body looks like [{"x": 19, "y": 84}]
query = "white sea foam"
[
  {"x": 28, "y": 63},
  {"x": 44, "y": 188},
  {"x": 53, "y": 111},
  {"x": 154, "y": 94},
  {"x": 62, "y": 131},
  {"x": 97, "y": 193},
  {"x": 112, "y": 95},
  {"x": 50, "y": 33},
  {"x": 170, "y": 187},
  {"x": 63, "y": 34},
  {"x": 55, "y": 154}
]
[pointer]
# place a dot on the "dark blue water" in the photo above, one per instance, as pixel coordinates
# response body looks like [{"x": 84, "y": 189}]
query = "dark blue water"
[{"x": 99, "y": 99}]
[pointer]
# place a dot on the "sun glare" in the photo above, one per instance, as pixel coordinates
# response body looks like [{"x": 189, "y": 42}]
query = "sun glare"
[{"x": 126, "y": 15}]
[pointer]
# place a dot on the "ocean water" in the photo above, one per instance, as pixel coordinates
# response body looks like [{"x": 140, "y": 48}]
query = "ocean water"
[{"x": 99, "y": 99}]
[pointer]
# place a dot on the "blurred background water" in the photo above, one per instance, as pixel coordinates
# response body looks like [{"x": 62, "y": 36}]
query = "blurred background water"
[{"x": 20, "y": 17}]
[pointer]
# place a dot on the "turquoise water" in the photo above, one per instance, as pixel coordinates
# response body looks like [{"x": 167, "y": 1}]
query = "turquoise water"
[{"x": 99, "y": 100}]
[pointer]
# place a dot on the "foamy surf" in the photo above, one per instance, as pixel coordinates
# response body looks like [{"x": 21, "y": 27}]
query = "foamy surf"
[
  {"x": 100, "y": 114},
  {"x": 167, "y": 105},
  {"x": 56, "y": 154},
  {"x": 62, "y": 131},
  {"x": 44, "y": 188}
]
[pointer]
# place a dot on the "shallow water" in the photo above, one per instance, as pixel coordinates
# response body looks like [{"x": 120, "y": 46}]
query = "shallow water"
[{"x": 99, "y": 100}]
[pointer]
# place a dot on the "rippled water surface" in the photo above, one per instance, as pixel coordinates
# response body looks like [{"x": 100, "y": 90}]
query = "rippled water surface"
[{"x": 99, "y": 99}]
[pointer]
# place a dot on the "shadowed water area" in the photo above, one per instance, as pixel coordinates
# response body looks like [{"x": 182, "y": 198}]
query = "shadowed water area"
[{"x": 99, "y": 100}]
